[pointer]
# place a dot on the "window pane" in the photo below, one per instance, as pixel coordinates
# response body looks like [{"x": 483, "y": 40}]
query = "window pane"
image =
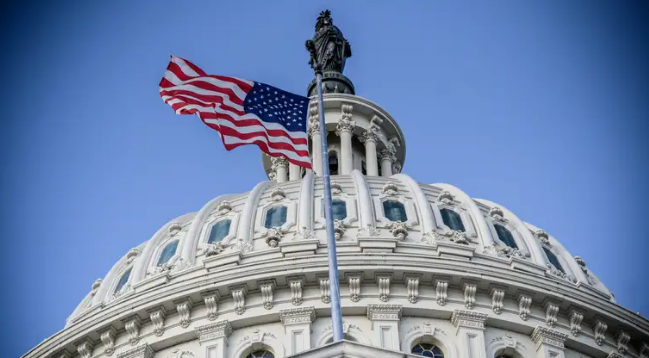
[
  {"x": 275, "y": 217},
  {"x": 168, "y": 252},
  {"x": 261, "y": 354},
  {"x": 394, "y": 210},
  {"x": 339, "y": 209},
  {"x": 427, "y": 350},
  {"x": 452, "y": 219},
  {"x": 554, "y": 260},
  {"x": 219, "y": 231},
  {"x": 123, "y": 280},
  {"x": 505, "y": 236}
]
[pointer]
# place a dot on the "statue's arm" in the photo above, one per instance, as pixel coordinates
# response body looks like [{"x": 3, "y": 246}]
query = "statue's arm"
[{"x": 348, "y": 49}]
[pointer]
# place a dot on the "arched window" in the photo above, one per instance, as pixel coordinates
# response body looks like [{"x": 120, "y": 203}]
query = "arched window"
[
  {"x": 505, "y": 236},
  {"x": 452, "y": 219},
  {"x": 554, "y": 260},
  {"x": 219, "y": 231},
  {"x": 168, "y": 252},
  {"x": 123, "y": 280},
  {"x": 394, "y": 210},
  {"x": 275, "y": 217},
  {"x": 261, "y": 353},
  {"x": 427, "y": 350},
  {"x": 339, "y": 209},
  {"x": 333, "y": 163}
]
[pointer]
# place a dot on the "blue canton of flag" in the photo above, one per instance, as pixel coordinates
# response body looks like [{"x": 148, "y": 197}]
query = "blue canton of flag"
[{"x": 273, "y": 105}]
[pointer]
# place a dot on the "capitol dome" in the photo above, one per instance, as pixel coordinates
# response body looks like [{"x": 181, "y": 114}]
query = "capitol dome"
[{"x": 425, "y": 270}]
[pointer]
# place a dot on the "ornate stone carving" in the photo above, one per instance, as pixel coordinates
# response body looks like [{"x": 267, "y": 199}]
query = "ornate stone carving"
[
  {"x": 107, "y": 337},
  {"x": 132, "y": 254},
  {"x": 441, "y": 292},
  {"x": 509, "y": 341},
  {"x": 368, "y": 230},
  {"x": 211, "y": 300},
  {"x": 223, "y": 208},
  {"x": 85, "y": 347},
  {"x": 383, "y": 283},
  {"x": 543, "y": 237},
  {"x": 387, "y": 154},
  {"x": 174, "y": 228},
  {"x": 399, "y": 229},
  {"x": 296, "y": 291},
  {"x": 390, "y": 189},
  {"x": 369, "y": 136},
  {"x": 184, "y": 308},
  {"x": 220, "y": 329},
  {"x": 278, "y": 162},
  {"x": 497, "y": 214},
  {"x": 644, "y": 350},
  {"x": 543, "y": 335},
  {"x": 396, "y": 167},
  {"x": 273, "y": 236},
  {"x": 497, "y": 300},
  {"x": 179, "y": 353},
  {"x": 575, "y": 321},
  {"x": 328, "y": 48},
  {"x": 214, "y": 249},
  {"x": 468, "y": 319},
  {"x": 278, "y": 193},
  {"x": 355, "y": 288},
  {"x": 255, "y": 336},
  {"x": 614, "y": 354},
  {"x": 551, "y": 312},
  {"x": 339, "y": 229},
  {"x": 412, "y": 287},
  {"x": 446, "y": 197},
  {"x": 297, "y": 315},
  {"x": 95, "y": 287},
  {"x": 63, "y": 354},
  {"x": 314, "y": 126},
  {"x": 266, "y": 289},
  {"x": 600, "y": 332},
  {"x": 524, "y": 304},
  {"x": 346, "y": 123},
  {"x": 455, "y": 236},
  {"x": 143, "y": 351},
  {"x": 384, "y": 312},
  {"x": 622, "y": 341},
  {"x": 239, "y": 297},
  {"x": 470, "y": 290},
  {"x": 336, "y": 188},
  {"x": 325, "y": 295},
  {"x": 505, "y": 251},
  {"x": 157, "y": 317},
  {"x": 555, "y": 272}
]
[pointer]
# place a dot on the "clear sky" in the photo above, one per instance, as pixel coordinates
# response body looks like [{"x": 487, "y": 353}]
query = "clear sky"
[{"x": 540, "y": 106}]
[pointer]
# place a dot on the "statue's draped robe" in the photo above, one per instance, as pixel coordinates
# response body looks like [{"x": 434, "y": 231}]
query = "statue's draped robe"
[{"x": 329, "y": 48}]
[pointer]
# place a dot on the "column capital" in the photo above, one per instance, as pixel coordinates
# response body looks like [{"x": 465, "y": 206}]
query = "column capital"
[
  {"x": 468, "y": 319},
  {"x": 143, "y": 351},
  {"x": 297, "y": 315},
  {"x": 279, "y": 162},
  {"x": 388, "y": 154},
  {"x": 345, "y": 125},
  {"x": 314, "y": 127},
  {"x": 369, "y": 136},
  {"x": 220, "y": 329},
  {"x": 543, "y": 335},
  {"x": 378, "y": 312}
]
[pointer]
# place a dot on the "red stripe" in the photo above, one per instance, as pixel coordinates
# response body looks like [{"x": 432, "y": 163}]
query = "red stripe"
[
  {"x": 251, "y": 122},
  {"x": 281, "y": 145},
  {"x": 264, "y": 148},
  {"x": 173, "y": 67},
  {"x": 210, "y": 99},
  {"x": 193, "y": 67}
]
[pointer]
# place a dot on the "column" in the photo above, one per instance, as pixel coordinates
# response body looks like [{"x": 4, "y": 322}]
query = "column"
[
  {"x": 371, "y": 159},
  {"x": 280, "y": 167},
  {"x": 297, "y": 325},
  {"x": 470, "y": 332},
  {"x": 344, "y": 131},
  {"x": 293, "y": 172},
  {"x": 549, "y": 343},
  {"x": 316, "y": 141},
  {"x": 387, "y": 158},
  {"x": 143, "y": 351},
  {"x": 214, "y": 337},
  {"x": 385, "y": 325}
]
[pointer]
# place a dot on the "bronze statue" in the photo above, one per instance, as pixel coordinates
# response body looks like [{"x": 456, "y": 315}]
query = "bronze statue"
[{"x": 329, "y": 49}]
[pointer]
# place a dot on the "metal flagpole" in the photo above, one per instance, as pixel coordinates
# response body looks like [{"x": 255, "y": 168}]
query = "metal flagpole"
[{"x": 334, "y": 285}]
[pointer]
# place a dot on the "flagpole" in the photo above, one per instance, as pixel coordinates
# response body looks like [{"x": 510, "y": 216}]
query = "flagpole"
[{"x": 334, "y": 285}]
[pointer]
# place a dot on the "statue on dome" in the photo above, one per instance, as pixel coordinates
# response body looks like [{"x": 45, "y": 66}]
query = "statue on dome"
[{"x": 328, "y": 48}]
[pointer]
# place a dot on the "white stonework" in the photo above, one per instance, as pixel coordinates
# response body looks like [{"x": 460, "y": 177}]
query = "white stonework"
[{"x": 403, "y": 281}]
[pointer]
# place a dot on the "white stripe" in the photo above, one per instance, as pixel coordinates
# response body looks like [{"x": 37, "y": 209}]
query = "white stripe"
[
  {"x": 289, "y": 154},
  {"x": 171, "y": 77},
  {"x": 296, "y": 134},
  {"x": 189, "y": 72},
  {"x": 255, "y": 129},
  {"x": 191, "y": 88}
]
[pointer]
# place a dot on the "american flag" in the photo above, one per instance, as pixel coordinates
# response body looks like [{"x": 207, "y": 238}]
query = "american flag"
[{"x": 242, "y": 111}]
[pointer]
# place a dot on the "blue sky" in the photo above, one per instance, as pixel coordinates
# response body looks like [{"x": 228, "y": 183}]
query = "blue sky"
[{"x": 540, "y": 106}]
